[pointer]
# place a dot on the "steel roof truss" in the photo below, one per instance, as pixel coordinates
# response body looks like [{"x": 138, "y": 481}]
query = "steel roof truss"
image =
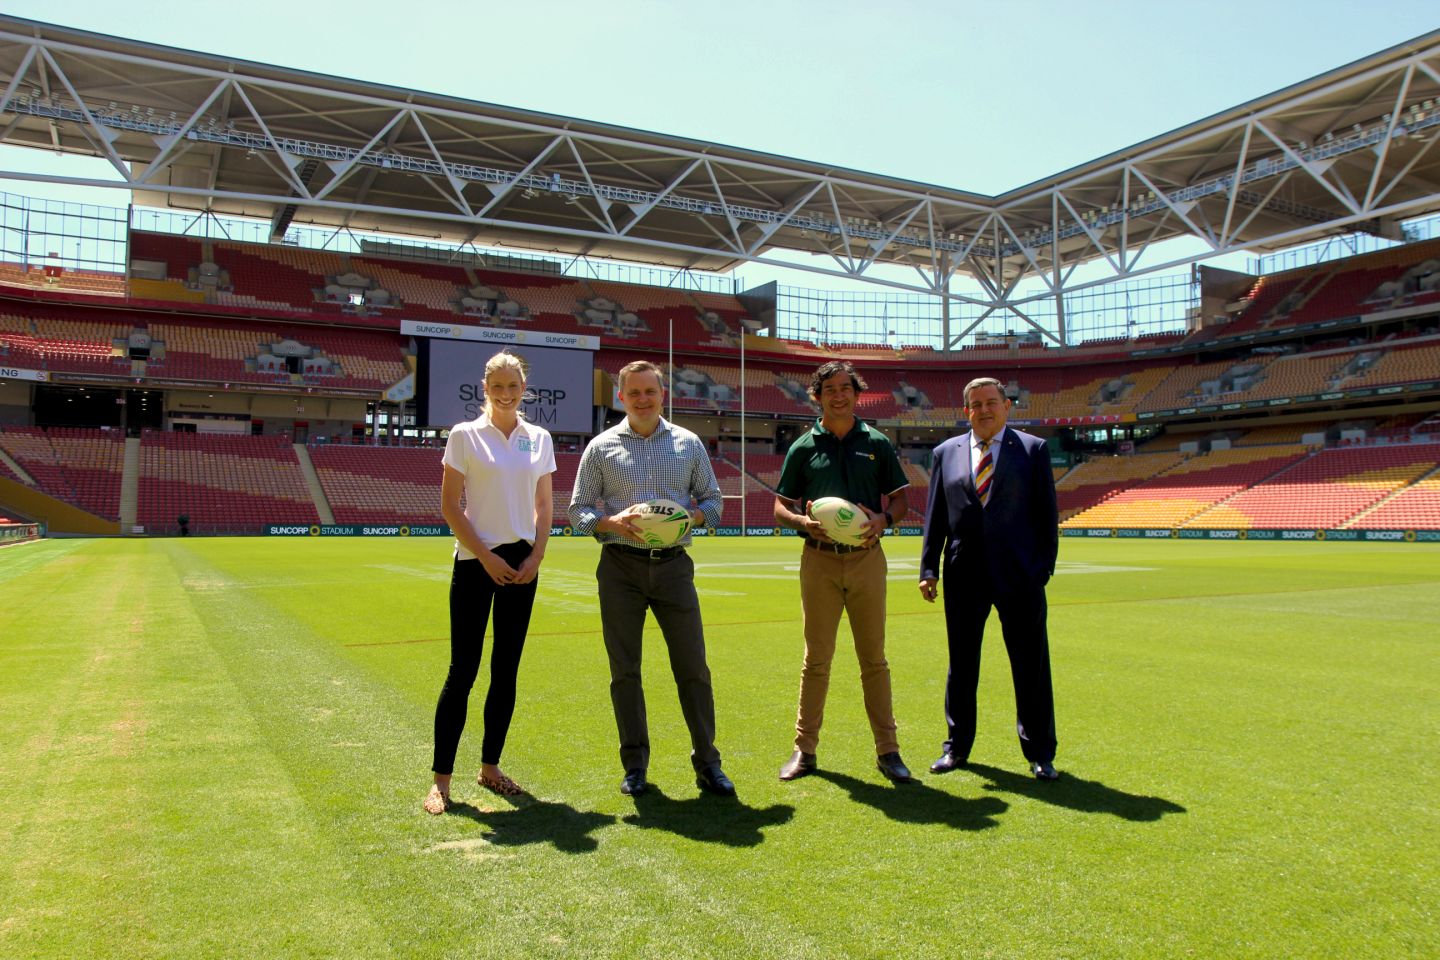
[
  {"x": 340, "y": 170},
  {"x": 26, "y": 62},
  {"x": 934, "y": 252},
  {"x": 167, "y": 143},
  {"x": 1175, "y": 208},
  {"x": 768, "y": 230},
  {"x": 101, "y": 136},
  {"x": 1028, "y": 253},
  {"x": 1241, "y": 159},
  {"x": 739, "y": 245},
  {"x": 1259, "y": 207},
  {"x": 288, "y": 160},
  {"x": 626, "y": 165},
  {"x": 878, "y": 246},
  {"x": 500, "y": 190},
  {"x": 601, "y": 202},
  {"x": 932, "y": 280},
  {"x": 456, "y": 193},
  {"x": 494, "y": 141},
  {"x": 967, "y": 249},
  {"x": 1384, "y": 151},
  {"x": 1058, "y": 197},
  {"x": 1400, "y": 177},
  {"x": 985, "y": 315},
  {"x": 642, "y": 209},
  {"x": 729, "y": 242},
  {"x": 1029, "y": 320},
  {"x": 841, "y": 223},
  {"x": 1390, "y": 134},
  {"x": 1316, "y": 171}
]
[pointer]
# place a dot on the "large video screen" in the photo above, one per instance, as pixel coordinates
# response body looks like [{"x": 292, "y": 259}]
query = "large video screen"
[{"x": 452, "y": 377}]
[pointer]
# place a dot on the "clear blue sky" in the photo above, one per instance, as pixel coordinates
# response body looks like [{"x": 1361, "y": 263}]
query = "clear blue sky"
[{"x": 983, "y": 97}]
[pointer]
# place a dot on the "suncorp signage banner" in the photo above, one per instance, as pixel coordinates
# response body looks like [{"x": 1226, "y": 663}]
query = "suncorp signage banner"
[
  {"x": 1332, "y": 536},
  {"x": 356, "y": 530},
  {"x": 17, "y": 373},
  {"x": 536, "y": 338}
]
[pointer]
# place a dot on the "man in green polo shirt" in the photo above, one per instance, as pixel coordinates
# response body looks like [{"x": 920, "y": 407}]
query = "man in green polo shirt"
[{"x": 841, "y": 456}]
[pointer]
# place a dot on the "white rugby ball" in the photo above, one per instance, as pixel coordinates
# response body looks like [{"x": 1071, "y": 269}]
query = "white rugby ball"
[
  {"x": 842, "y": 520},
  {"x": 662, "y": 522}
]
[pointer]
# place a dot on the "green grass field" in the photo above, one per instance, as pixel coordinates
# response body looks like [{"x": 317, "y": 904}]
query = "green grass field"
[{"x": 218, "y": 748}]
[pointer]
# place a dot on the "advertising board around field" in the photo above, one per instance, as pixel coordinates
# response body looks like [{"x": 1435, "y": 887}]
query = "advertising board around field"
[
  {"x": 451, "y": 373},
  {"x": 1332, "y": 536},
  {"x": 357, "y": 530},
  {"x": 443, "y": 530}
]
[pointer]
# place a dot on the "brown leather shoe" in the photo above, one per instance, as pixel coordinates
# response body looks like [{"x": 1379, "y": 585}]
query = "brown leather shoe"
[{"x": 799, "y": 765}]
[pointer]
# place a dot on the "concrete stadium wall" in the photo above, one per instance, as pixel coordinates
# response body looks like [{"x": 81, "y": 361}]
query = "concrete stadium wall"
[{"x": 57, "y": 515}]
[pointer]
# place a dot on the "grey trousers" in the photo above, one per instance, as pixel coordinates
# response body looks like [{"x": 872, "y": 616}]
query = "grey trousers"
[{"x": 631, "y": 583}]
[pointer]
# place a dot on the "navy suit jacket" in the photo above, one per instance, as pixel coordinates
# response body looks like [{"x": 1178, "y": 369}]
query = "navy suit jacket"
[{"x": 1015, "y": 537}]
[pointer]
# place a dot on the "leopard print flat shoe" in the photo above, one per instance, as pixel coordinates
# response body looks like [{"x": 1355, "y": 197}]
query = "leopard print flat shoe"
[{"x": 500, "y": 784}]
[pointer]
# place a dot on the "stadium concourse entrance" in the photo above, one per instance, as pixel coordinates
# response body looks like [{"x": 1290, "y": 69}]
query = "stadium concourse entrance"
[{"x": 124, "y": 409}]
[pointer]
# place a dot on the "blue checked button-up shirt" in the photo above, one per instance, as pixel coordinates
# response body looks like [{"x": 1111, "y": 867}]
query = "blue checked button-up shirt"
[{"x": 620, "y": 468}]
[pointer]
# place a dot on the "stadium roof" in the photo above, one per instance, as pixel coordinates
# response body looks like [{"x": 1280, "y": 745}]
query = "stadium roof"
[{"x": 1351, "y": 149}]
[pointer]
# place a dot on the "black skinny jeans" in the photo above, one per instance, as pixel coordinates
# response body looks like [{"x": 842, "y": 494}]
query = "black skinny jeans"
[{"x": 472, "y": 594}]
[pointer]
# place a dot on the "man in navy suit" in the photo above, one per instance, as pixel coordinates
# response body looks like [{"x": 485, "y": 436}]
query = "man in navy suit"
[{"x": 992, "y": 531}]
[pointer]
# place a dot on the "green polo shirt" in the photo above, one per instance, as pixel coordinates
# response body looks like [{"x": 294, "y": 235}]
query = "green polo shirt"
[{"x": 859, "y": 467}]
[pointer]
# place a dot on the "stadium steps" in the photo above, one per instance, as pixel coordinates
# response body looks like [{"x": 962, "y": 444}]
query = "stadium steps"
[
  {"x": 1355, "y": 520},
  {"x": 130, "y": 484},
  {"x": 16, "y": 469},
  {"x": 312, "y": 482},
  {"x": 1306, "y": 294},
  {"x": 1068, "y": 470}
]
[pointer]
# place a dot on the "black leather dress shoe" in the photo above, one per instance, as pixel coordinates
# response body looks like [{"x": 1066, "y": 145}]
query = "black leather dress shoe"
[
  {"x": 948, "y": 762},
  {"x": 713, "y": 780},
  {"x": 893, "y": 767},
  {"x": 1044, "y": 770},
  {"x": 798, "y": 766},
  {"x": 634, "y": 783}
]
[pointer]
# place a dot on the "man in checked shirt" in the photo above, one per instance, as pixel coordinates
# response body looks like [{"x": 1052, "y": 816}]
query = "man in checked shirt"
[{"x": 641, "y": 458}]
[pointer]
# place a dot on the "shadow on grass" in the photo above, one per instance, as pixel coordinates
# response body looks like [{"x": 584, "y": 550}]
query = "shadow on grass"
[
  {"x": 538, "y": 821},
  {"x": 706, "y": 818},
  {"x": 1077, "y": 793},
  {"x": 917, "y": 803}
]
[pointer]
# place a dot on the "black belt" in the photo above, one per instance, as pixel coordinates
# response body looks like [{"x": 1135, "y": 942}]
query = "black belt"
[
  {"x": 650, "y": 553},
  {"x": 833, "y": 547}
]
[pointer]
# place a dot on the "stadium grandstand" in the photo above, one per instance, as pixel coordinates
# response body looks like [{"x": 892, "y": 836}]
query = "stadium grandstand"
[{"x": 209, "y": 372}]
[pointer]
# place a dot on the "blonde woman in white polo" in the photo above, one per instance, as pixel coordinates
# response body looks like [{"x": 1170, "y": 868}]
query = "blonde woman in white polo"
[{"x": 501, "y": 464}]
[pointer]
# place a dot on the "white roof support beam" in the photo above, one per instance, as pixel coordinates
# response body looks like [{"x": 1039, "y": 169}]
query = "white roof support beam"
[
  {"x": 168, "y": 143},
  {"x": 95, "y": 131},
  {"x": 630, "y": 193}
]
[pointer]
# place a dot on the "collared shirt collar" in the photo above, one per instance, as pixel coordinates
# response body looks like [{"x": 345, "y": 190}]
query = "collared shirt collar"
[
  {"x": 994, "y": 441},
  {"x": 819, "y": 430},
  {"x": 626, "y": 429},
  {"x": 521, "y": 424}
]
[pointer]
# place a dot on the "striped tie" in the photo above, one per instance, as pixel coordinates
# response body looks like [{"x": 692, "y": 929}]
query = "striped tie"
[{"x": 984, "y": 473}]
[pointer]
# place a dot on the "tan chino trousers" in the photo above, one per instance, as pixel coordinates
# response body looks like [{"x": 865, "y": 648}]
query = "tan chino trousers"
[{"x": 854, "y": 584}]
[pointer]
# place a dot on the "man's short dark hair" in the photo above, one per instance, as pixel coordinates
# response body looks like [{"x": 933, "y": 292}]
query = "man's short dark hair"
[
  {"x": 979, "y": 382},
  {"x": 828, "y": 370},
  {"x": 640, "y": 366}
]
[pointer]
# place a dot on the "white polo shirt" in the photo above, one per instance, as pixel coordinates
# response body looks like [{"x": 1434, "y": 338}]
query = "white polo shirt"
[{"x": 500, "y": 478}]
